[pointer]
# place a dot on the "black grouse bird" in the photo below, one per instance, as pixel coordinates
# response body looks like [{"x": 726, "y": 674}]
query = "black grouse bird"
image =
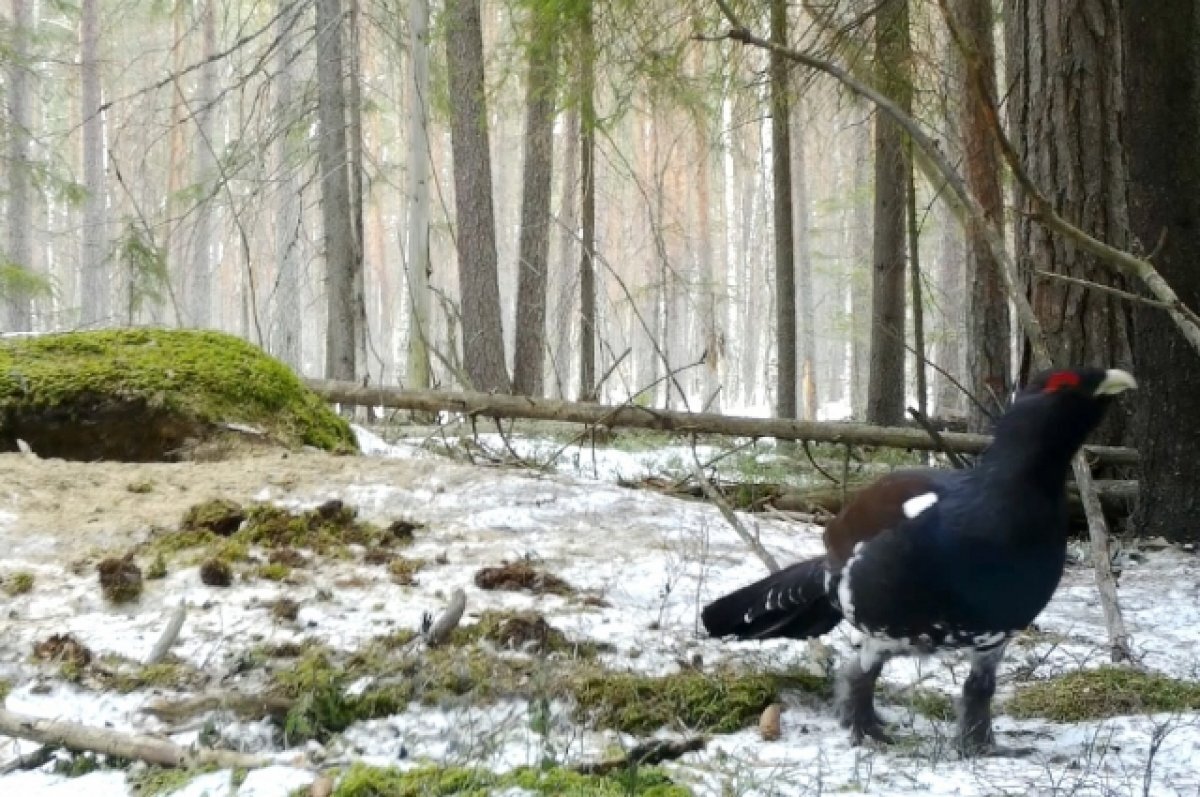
[{"x": 923, "y": 561}]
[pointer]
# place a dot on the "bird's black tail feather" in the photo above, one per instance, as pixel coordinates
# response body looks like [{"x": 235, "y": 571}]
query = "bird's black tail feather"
[{"x": 790, "y": 603}]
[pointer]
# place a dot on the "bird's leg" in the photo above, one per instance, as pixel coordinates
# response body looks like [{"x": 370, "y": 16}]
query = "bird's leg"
[
  {"x": 856, "y": 694},
  {"x": 975, "y": 734}
]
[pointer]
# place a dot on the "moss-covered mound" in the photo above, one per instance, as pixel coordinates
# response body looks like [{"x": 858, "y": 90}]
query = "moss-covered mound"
[
  {"x": 364, "y": 781},
  {"x": 1103, "y": 692},
  {"x": 144, "y": 395}
]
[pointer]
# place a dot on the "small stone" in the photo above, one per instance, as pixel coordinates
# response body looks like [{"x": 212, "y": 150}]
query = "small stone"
[
  {"x": 216, "y": 573},
  {"x": 120, "y": 579},
  {"x": 768, "y": 723}
]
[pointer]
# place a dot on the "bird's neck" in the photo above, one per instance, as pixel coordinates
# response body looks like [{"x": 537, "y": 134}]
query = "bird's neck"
[{"x": 1032, "y": 448}]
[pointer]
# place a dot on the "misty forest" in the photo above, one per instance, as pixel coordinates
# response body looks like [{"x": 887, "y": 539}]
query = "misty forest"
[{"x": 590, "y": 397}]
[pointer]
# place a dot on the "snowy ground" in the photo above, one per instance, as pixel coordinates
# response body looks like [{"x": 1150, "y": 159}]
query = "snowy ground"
[{"x": 654, "y": 559}]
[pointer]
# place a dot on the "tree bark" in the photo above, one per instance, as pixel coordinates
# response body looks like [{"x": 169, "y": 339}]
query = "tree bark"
[
  {"x": 93, "y": 286},
  {"x": 358, "y": 198},
  {"x": 333, "y": 161},
  {"x": 418, "y": 370},
  {"x": 567, "y": 288},
  {"x": 861, "y": 279},
  {"x": 587, "y": 174},
  {"x": 482, "y": 329},
  {"x": 785, "y": 249},
  {"x": 885, "y": 387},
  {"x": 1066, "y": 108},
  {"x": 632, "y": 415},
  {"x": 199, "y": 298},
  {"x": 18, "y": 302},
  {"x": 1162, "y": 92},
  {"x": 806, "y": 316},
  {"x": 533, "y": 257},
  {"x": 287, "y": 327}
]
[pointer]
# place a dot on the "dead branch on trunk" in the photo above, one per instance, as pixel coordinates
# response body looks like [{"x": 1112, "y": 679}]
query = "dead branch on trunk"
[
  {"x": 633, "y": 416},
  {"x": 436, "y": 631},
  {"x": 752, "y": 540},
  {"x": 140, "y": 747}
]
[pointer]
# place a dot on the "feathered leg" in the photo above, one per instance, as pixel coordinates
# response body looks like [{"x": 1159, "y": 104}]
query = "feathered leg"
[
  {"x": 856, "y": 694},
  {"x": 975, "y": 734}
]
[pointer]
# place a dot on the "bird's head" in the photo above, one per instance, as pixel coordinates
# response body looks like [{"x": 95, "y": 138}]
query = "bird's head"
[{"x": 1053, "y": 414}]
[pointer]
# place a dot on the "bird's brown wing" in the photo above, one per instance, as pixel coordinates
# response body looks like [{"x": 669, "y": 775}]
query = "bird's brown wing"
[{"x": 873, "y": 510}]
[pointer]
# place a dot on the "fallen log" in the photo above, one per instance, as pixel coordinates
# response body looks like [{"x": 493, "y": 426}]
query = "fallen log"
[
  {"x": 502, "y": 405},
  {"x": 141, "y": 747}
]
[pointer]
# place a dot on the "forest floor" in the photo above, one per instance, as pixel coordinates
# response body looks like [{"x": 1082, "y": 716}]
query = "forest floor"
[{"x": 637, "y": 567}]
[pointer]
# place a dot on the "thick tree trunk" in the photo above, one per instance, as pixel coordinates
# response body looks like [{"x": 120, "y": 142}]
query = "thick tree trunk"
[
  {"x": 567, "y": 287},
  {"x": 93, "y": 285},
  {"x": 18, "y": 302},
  {"x": 354, "y": 149},
  {"x": 332, "y": 158},
  {"x": 1162, "y": 92},
  {"x": 988, "y": 326},
  {"x": 785, "y": 249},
  {"x": 861, "y": 279},
  {"x": 418, "y": 295},
  {"x": 885, "y": 387},
  {"x": 1066, "y": 116},
  {"x": 532, "y": 259},
  {"x": 287, "y": 341},
  {"x": 482, "y": 330}
]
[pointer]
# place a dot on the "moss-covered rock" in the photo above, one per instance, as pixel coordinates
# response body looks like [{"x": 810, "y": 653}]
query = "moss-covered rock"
[
  {"x": 148, "y": 394},
  {"x": 365, "y": 781},
  {"x": 1103, "y": 692}
]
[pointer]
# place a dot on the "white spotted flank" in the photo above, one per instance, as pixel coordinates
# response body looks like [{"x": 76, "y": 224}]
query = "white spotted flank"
[
  {"x": 915, "y": 506},
  {"x": 845, "y": 593}
]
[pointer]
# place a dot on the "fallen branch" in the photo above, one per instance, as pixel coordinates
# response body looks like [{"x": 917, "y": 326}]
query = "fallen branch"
[
  {"x": 633, "y": 416},
  {"x": 1106, "y": 581},
  {"x": 436, "y": 631},
  {"x": 169, "y": 634},
  {"x": 955, "y": 458},
  {"x": 241, "y": 704},
  {"x": 647, "y": 753},
  {"x": 140, "y": 747},
  {"x": 752, "y": 540}
]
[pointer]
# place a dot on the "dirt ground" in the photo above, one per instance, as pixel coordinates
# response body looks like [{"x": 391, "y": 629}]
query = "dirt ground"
[{"x": 68, "y": 508}]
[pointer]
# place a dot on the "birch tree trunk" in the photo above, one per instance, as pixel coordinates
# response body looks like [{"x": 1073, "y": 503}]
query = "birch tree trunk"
[
  {"x": 93, "y": 285},
  {"x": 419, "y": 329},
  {"x": 333, "y": 161}
]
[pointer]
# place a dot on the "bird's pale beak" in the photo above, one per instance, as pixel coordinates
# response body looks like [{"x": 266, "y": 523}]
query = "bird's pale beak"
[{"x": 1115, "y": 381}]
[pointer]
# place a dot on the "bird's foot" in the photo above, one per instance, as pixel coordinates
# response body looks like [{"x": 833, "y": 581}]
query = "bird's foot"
[{"x": 863, "y": 724}]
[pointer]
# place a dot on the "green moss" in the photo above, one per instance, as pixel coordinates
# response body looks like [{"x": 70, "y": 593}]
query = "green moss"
[
  {"x": 155, "y": 781},
  {"x": 365, "y": 781},
  {"x": 1103, "y": 692},
  {"x": 525, "y": 631},
  {"x": 220, "y": 516},
  {"x": 720, "y": 702},
  {"x": 158, "y": 567},
  {"x": 274, "y": 571},
  {"x": 195, "y": 378},
  {"x": 404, "y": 570},
  {"x": 932, "y": 704},
  {"x": 18, "y": 583},
  {"x": 5, "y": 688}
]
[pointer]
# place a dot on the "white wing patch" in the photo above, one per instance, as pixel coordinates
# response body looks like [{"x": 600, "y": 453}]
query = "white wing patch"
[
  {"x": 915, "y": 506},
  {"x": 845, "y": 593}
]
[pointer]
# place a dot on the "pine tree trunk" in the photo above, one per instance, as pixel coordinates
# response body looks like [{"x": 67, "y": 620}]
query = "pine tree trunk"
[
  {"x": 1162, "y": 92},
  {"x": 204, "y": 173},
  {"x": 885, "y": 386},
  {"x": 354, "y": 144},
  {"x": 785, "y": 250},
  {"x": 587, "y": 174},
  {"x": 333, "y": 161},
  {"x": 567, "y": 287},
  {"x": 806, "y": 305},
  {"x": 287, "y": 341},
  {"x": 19, "y": 250},
  {"x": 533, "y": 257},
  {"x": 93, "y": 286},
  {"x": 861, "y": 276},
  {"x": 1066, "y": 116}
]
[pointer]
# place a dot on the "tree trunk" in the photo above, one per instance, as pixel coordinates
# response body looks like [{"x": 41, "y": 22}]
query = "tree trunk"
[
  {"x": 204, "y": 174},
  {"x": 354, "y": 148},
  {"x": 529, "y": 356},
  {"x": 805, "y": 301},
  {"x": 1066, "y": 117},
  {"x": 93, "y": 286},
  {"x": 988, "y": 326},
  {"x": 419, "y": 330},
  {"x": 19, "y": 251},
  {"x": 288, "y": 328},
  {"x": 861, "y": 281},
  {"x": 332, "y": 159},
  {"x": 482, "y": 330},
  {"x": 885, "y": 386},
  {"x": 567, "y": 289},
  {"x": 785, "y": 249},
  {"x": 587, "y": 173},
  {"x": 1162, "y": 92}
]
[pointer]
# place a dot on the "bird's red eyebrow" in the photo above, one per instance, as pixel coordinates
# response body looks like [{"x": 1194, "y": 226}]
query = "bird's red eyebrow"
[{"x": 1060, "y": 379}]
